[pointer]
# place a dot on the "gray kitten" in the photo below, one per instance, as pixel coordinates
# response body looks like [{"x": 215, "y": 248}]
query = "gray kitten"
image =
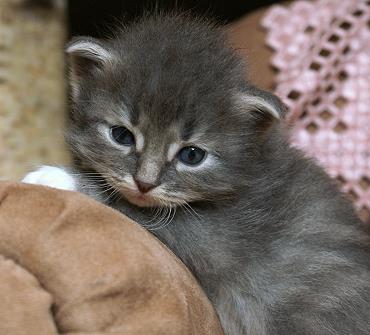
[{"x": 165, "y": 129}]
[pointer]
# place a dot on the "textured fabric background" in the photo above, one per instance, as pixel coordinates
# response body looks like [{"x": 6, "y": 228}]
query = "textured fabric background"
[
  {"x": 322, "y": 55},
  {"x": 32, "y": 86}
]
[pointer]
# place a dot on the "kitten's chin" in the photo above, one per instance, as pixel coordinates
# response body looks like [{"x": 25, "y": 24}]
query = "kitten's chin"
[{"x": 141, "y": 200}]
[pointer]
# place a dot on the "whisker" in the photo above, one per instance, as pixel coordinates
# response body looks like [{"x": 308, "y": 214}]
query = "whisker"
[
  {"x": 156, "y": 214},
  {"x": 169, "y": 218},
  {"x": 160, "y": 221},
  {"x": 187, "y": 205}
]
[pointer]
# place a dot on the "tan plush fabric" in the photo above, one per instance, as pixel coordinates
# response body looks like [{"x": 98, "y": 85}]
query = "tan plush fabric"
[
  {"x": 32, "y": 86},
  {"x": 99, "y": 272},
  {"x": 24, "y": 305}
]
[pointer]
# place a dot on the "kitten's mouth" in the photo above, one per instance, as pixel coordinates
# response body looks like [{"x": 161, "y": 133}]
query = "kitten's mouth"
[
  {"x": 133, "y": 195},
  {"x": 140, "y": 199}
]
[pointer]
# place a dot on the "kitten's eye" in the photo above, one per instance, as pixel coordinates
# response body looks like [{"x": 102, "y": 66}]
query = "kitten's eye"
[
  {"x": 122, "y": 136},
  {"x": 191, "y": 155}
]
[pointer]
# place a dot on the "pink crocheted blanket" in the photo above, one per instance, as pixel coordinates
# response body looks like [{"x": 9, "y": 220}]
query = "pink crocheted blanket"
[{"x": 322, "y": 54}]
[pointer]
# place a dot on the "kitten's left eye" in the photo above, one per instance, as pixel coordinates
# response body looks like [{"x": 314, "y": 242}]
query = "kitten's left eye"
[
  {"x": 191, "y": 155},
  {"x": 122, "y": 136}
]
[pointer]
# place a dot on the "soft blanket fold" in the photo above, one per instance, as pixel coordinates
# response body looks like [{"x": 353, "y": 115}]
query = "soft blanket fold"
[{"x": 71, "y": 265}]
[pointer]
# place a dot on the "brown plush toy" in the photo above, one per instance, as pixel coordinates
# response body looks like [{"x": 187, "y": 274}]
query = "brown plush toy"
[{"x": 70, "y": 265}]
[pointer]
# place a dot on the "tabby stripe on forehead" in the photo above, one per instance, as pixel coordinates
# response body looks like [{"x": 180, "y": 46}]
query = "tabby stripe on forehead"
[{"x": 188, "y": 128}]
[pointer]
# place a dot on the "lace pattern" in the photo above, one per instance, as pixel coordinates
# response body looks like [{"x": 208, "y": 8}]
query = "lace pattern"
[{"x": 322, "y": 57}]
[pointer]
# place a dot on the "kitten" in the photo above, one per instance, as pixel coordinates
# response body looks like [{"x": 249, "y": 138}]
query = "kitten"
[{"x": 165, "y": 129}]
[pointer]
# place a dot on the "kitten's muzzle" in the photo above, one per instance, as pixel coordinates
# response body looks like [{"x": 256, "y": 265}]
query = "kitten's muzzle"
[{"x": 143, "y": 186}]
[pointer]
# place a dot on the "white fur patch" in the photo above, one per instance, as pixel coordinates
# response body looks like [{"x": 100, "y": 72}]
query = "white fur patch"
[
  {"x": 51, "y": 176},
  {"x": 139, "y": 140},
  {"x": 172, "y": 151},
  {"x": 130, "y": 182}
]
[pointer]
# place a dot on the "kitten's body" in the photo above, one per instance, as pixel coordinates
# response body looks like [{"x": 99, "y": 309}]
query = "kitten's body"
[
  {"x": 272, "y": 242},
  {"x": 285, "y": 257}
]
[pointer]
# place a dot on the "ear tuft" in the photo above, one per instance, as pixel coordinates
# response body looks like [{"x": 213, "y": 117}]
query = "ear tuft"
[
  {"x": 267, "y": 105},
  {"x": 86, "y": 55},
  {"x": 259, "y": 104},
  {"x": 89, "y": 48}
]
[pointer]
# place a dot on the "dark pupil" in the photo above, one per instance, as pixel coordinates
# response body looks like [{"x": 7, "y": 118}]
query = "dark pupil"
[
  {"x": 191, "y": 155},
  {"x": 123, "y": 136}
]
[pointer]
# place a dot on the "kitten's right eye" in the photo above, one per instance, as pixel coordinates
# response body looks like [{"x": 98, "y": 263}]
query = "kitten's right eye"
[
  {"x": 122, "y": 136},
  {"x": 191, "y": 155}
]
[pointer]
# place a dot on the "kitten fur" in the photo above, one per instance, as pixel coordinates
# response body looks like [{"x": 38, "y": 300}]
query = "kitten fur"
[{"x": 275, "y": 246}]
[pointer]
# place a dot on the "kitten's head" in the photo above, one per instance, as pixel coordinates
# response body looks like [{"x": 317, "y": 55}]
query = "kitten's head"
[{"x": 163, "y": 113}]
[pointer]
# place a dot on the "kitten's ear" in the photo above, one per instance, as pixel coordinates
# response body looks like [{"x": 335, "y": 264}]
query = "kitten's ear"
[
  {"x": 86, "y": 55},
  {"x": 264, "y": 107}
]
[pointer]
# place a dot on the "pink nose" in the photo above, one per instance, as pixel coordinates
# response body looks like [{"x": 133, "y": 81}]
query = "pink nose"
[{"x": 144, "y": 187}]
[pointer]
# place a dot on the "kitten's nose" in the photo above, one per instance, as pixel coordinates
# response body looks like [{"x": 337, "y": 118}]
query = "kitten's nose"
[{"x": 142, "y": 186}]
